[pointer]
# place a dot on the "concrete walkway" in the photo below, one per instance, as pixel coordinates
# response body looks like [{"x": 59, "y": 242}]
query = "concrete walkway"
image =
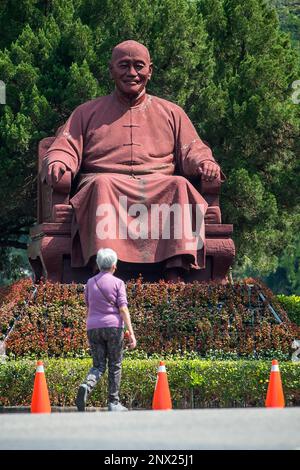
[{"x": 251, "y": 428}]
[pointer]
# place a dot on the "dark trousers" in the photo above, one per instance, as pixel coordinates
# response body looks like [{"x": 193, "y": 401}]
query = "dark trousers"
[{"x": 106, "y": 346}]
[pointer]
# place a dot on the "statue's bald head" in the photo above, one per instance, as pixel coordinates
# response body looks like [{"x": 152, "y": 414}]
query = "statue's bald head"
[
  {"x": 130, "y": 49},
  {"x": 130, "y": 68}
]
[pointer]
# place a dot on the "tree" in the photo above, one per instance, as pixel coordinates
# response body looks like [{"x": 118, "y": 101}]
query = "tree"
[
  {"x": 289, "y": 15},
  {"x": 286, "y": 278},
  {"x": 14, "y": 265},
  {"x": 253, "y": 126}
]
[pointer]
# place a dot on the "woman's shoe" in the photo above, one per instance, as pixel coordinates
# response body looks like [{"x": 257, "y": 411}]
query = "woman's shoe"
[
  {"x": 81, "y": 397},
  {"x": 116, "y": 407}
]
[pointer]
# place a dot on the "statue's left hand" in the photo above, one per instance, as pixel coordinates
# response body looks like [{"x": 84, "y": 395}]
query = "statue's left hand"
[{"x": 209, "y": 170}]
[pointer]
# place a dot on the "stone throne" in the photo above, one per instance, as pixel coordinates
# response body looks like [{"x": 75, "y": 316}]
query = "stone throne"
[{"x": 49, "y": 251}]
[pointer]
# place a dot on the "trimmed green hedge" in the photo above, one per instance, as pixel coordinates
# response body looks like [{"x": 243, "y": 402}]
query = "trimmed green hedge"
[
  {"x": 291, "y": 304},
  {"x": 193, "y": 383},
  {"x": 168, "y": 318}
]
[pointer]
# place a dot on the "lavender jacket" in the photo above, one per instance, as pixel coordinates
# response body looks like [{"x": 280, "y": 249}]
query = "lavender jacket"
[{"x": 101, "y": 314}]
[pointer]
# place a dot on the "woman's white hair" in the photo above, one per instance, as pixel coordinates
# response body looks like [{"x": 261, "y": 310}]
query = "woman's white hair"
[{"x": 106, "y": 258}]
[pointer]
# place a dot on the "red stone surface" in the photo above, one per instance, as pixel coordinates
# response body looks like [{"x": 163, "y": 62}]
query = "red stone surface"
[{"x": 133, "y": 144}]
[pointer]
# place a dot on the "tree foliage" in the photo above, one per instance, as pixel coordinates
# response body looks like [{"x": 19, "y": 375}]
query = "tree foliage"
[
  {"x": 289, "y": 15},
  {"x": 227, "y": 62}
]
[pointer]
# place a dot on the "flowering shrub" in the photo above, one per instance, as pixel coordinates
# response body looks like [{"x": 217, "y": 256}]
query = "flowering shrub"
[
  {"x": 193, "y": 383},
  {"x": 168, "y": 318}
]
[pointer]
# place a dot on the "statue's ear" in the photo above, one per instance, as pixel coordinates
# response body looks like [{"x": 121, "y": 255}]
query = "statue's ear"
[{"x": 150, "y": 71}]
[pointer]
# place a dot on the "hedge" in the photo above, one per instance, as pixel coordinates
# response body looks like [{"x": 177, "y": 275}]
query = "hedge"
[
  {"x": 193, "y": 383},
  {"x": 186, "y": 319},
  {"x": 168, "y": 318},
  {"x": 291, "y": 304}
]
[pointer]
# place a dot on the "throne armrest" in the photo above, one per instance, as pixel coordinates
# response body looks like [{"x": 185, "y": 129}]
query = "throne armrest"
[
  {"x": 52, "y": 196},
  {"x": 210, "y": 190},
  {"x": 49, "y": 196},
  {"x": 63, "y": 186},
  {"x": 210, "y": 187},
  {"x": 62, "y": 213}
]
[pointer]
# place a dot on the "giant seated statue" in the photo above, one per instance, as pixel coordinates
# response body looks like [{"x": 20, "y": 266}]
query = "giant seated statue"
[{"x": 128, "y": 171}]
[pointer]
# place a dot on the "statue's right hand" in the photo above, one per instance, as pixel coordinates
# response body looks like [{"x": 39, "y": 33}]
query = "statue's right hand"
[{"x": 54, "y": 172}]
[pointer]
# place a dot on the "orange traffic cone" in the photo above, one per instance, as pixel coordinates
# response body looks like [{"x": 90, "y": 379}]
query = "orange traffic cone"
[
  {"x": 275, "y": 397},
  {"x": 40, "y": 402},
  {"x": 162, "y": 397}
]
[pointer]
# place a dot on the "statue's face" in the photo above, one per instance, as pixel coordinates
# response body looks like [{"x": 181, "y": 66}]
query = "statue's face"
[{"x": 131, "y": 74}]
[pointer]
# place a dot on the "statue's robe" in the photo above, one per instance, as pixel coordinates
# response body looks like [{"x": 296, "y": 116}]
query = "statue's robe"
[{"x": 132, "y": 151}]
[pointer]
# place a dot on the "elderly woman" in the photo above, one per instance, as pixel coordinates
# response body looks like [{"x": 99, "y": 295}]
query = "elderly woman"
[{"x": 105, "y": 297}]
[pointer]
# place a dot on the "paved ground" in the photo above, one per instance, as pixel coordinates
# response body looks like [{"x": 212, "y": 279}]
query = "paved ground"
[{"x": 251, "y": 428}]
